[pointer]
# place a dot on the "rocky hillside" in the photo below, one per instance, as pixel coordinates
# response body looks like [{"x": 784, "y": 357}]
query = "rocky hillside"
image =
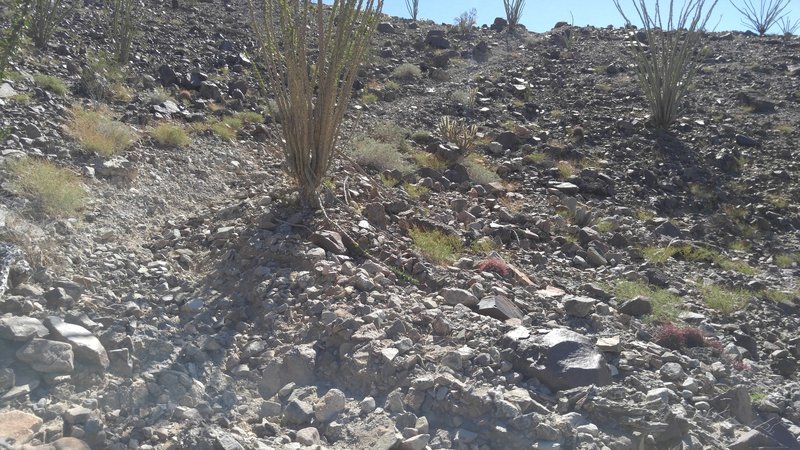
[{"x": 577, "y": 280}]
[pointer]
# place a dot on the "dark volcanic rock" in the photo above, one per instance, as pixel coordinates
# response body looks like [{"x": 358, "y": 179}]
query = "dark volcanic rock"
[{"x": 561, "y": 359}]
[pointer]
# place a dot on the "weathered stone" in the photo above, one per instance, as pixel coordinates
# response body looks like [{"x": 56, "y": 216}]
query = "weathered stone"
[
  {"x": 47, "y": 356},
  {"x": 20, "y": 328},
  {"x": 18, "y": 427},
  {"x": 499, "y": 307},
  {"x": 329, "y": 240},
  {"x": 329, "y": 405},
  {"x": 455, "y": 296},
  {"x": 298, "y": 412},
  {"x": 737, "y": 402},
  {"x": 307, "y": 436},
  {"x": 579, "y": 306},
  {"x": 299, "y": 364},
  {"x": 85, "y": 345},
  {"x": 637, "y": 307},
  {"x": 561, "y": 359}
]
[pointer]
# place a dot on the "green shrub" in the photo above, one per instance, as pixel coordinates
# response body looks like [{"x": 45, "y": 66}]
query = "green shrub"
[
  {"x": 46, "y": 14},
  {"x": 170, "y": 135},
  {"x": 379, "y": 155},
  {"x": 479, "y": 172},
  {"x": 50, "y": 83},
  {"x": 466, "y": 21},
  {"x": 55, "y": 190},
  {"x": 406, "y": 72},
  {"x": 415, "y": 191},
  {"x": 96, "y": 131},
  {"x": 223, "y": 130},
  {"x": 438, "y": 247},
  {"x": 723, "y": 299},
  {"x": 391, "y": 133},
  {"x": 430, "y": 160},
  {"x": 251, "y": 117}
]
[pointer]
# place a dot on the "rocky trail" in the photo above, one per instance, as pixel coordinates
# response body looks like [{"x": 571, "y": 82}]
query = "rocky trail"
[{"x": 604, "y": 285}]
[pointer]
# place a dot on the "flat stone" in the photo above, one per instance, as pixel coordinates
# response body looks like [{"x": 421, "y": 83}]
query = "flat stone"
[
  {"x": 18, "y": 427},
  {"x": 609, "y": 344},
  {"x": 418, "y": 442},
  {"x": 579, "y": 306},
  {"x": 561, "y": 359},
  {"x": 85, "y": 345},
  {"x": 455, "y": 296},
  {"x": 48, "y": 356},
  {"x": 21, "y": 328},
  {"x": 6, "y": 90},
  {"x": 637, "y": 307},
  {"x": 307, "y": 436},
  {"x": 330, "y": 241},
  {"x": 499, "y": 307}
]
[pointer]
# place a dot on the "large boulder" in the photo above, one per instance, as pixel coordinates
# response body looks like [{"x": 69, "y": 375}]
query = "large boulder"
[{"x": 561, "y": 359}]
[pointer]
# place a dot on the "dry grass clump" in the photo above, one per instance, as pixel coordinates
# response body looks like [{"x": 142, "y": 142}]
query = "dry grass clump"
[
  {"x": 379, "y": 155},
  {"x": 170, "y": 135},
  {"x": 479, "y": 171},
  {"x": 100, "y": 134},
  {"x": 406, "y": 72},
  {"x": 57, "y": 191}
]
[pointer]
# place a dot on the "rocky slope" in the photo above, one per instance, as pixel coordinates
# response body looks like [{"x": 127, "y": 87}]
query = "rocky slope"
[{"x": 617, "y": 287}]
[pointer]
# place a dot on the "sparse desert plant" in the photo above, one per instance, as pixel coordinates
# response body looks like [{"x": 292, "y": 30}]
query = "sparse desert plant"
[
  {"x": 495, "y": 265},
  {"x": 513, "y": 12},
  {"x": 380, "y": 155},
  {"x": 413, "y": 8},
  {"x": 50, "y": 83},
  {"x": 760, "y": 16},
  {"x": 788, "y": 26},
  {"x": 57, "y": 191},
  {"x": 430, "y": 160},
  {"x": 785, "y": 260},
  {"x": 674, "y": 337},
  {"x": 459, "y": 133},
  {"x": 466, "y": 97},
  {"x": 668, "y": 63},
  {"x": 9, "y": 39},
  {"x": 222, "y": 130},
  {"x": 251, "y": 117},
  {"x": 479, "y": 171},
  {"x": 437, "y": 246},
  {"x": 98, "y": 77},
  {"x": 416, "y": 191},
  {"x": 99, "y": 133},
  {"x": 45, "y": 15},
  {"x": 170, "y": 135},
  {"x": 465, "y": 22},
  {"x": 406, "y": 72},
  {"x": 312, "y": 94},
  {"x": 391, "y": 133},
  {"x": 121, "y": 27},
  {"x": 157, "y": 96}
]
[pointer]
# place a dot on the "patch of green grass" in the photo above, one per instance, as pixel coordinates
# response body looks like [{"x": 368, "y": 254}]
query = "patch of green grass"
[
  {"x": 223, "y": 130},
  {"x": 250, "y": 117},
  {"x": 723, "y": 300},
  {"x": 22, "y": 97},
  {"x": 784, "y": 128},
  {"x": 406, "y": 72},
  {"x": 661, "y": 255},
  {"x": 740, "y": 246},
  {"x": 170, "y": 135},
  {"x": 234, "y": 122},
  {"x": 369, "y": 97},
  {"x": 604, "y": 226},
  {"x": 536, "y": 158},
  {"x": 757, "y": 396},
  {"x": 99, "y": 133},
  {"x": 57, "y": 191},
  {"x": 777, "y": 200},
  {"x": 416, "y": 191},
  {"x": 483, "y": 245},
  {"x": 565, "y": 169},
  {"x": 784, "y": 260},
  {"x": 644, "y": 215},
  {"x": 438, "y": 247},
  {"x": 666, "y": 305},
  {"x": 780, "y": 296},
  {"x": 50, "y": 83},
  {"x": 389, "y": 181}
]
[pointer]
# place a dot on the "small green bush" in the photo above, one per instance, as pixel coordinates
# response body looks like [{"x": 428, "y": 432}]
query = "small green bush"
[
  {"x": 50, "y": 83},
  {"x": 479, "y": 172},
  {"x": 99, "y": 133},
  {"x": 170, "y": 135},
  {"x": 437, "y": 246},
  {"x": 466, "y": 21},
  {"x": 250, "y": 117},
  {"x": 223, "y": 130},
  {"x": 55, "y": 190},
  {"x": 406, "y": 72},
  {"x": 379, "y": 155}
]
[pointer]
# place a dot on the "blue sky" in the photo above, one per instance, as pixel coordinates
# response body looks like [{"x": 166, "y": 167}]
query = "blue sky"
[{"x": 541, "y": 15}]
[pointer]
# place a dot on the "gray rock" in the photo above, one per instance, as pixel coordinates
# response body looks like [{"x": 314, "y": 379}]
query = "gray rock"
[
  {"x": 210, "y": 91},
  {"x": 637, "y": 307},
  {"x": 595, "y": 258},
  {"x": 499, "y": 307},
  {"x": 6, "y": 90},
  {"x": 418, "y": 442},
  {"x": 299, "y": 364},
  {"x": 307, "y": 436},
  {"x": 298, "y": 412},
  {"x": 455, "y": 296},
  {"x": 436, "y": 39},
  {"x": 376, "y": 214},
  {"x": 579, "y": 306},
  {"x": 48, "y": 356},
  {"x": 386, "y": 27},
  {"x": 85, "y": 345},
  {"x": 7, "y": 379},
  {"x": 329, "y": 405},
  {"x": 329, "y": 240},
  {"x": 561, "y": 359},
  {"x": 21, "y": 328},
  {"x": 671, "y": 371},
  {"x": 737, "y": 402},
  {"x": 18, "y": 427}
]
